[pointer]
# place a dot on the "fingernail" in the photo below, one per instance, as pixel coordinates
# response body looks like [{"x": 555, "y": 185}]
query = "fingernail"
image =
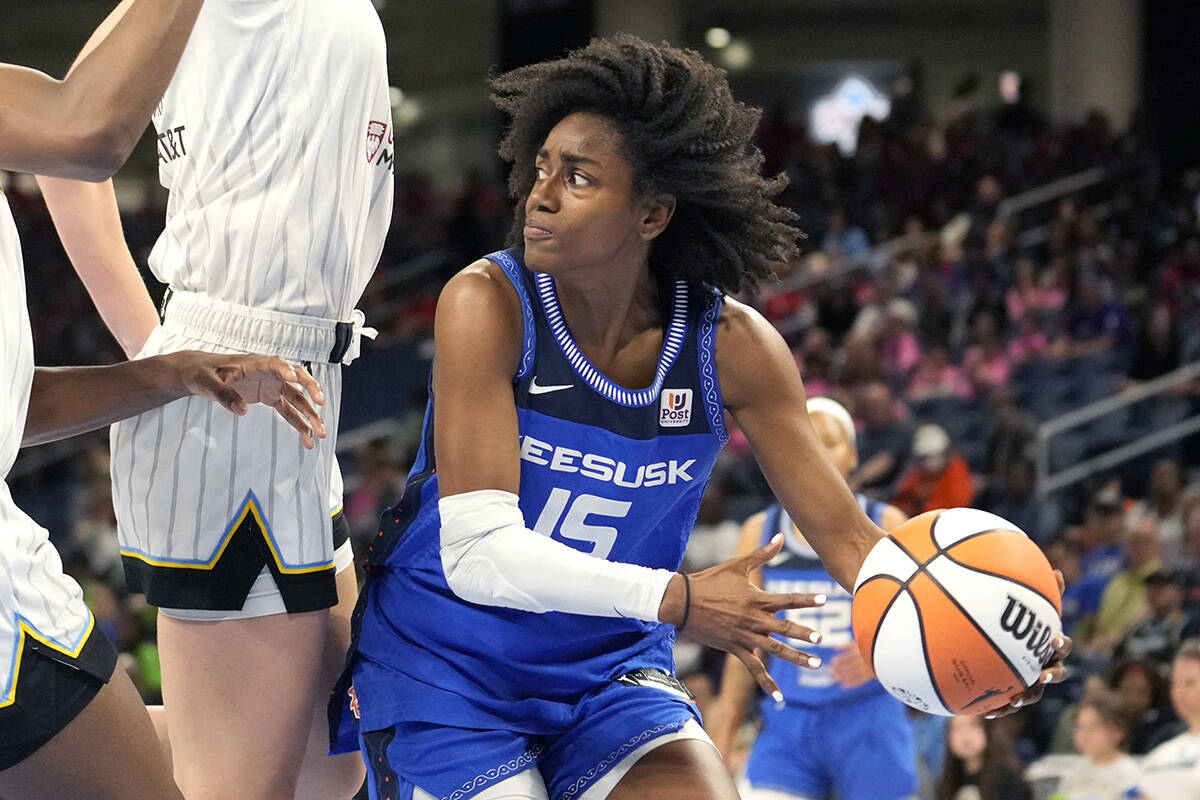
[
  {"x": 777, "y": 696},
  {"x": 777, "y": 538},
  {"x": 819, "y": 599},
  {"x": 989, "y": 716},
  {"x": 1047, "y": 677},
  {"x": 814, "y": 662},
  {"x": 814, "y": 637},
  {"x": 1020, "y": 701},
  {"x": 1058, "y": 642}
]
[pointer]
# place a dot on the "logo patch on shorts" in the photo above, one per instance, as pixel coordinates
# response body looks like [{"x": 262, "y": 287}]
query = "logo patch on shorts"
[
  {"x": 655, "y": 679},
  {"x": 675, "y": 408},
  {"x": 353, "y": 703}
]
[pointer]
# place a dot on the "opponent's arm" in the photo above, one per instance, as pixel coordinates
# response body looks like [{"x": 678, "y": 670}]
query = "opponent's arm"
[
  {"x": 65, "y": 401},
  {"x": 89, "y": 225},
  {"x": 87, "y": 124}
]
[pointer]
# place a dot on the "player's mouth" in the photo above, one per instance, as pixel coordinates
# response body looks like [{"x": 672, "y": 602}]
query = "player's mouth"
[{"x": 537, "y": 233}]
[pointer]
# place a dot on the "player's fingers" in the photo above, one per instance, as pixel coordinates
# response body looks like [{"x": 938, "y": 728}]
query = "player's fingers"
[
  {"x": 301, "y": 402},
  {"x": 780, "y": 601},
  {"x": 758, "y": 670},
  {"x": 308, "y": 382},
  {"x": 1062, "y": 582},
  {"x": 755, "y": 559},
  {"x": 794, "y": 630},
  {"x": 296, "y": 420},
  {"x": 225, "y": 395},
  {"x": 1062, "y": 647},
  {"x": 780, "y": 650}
]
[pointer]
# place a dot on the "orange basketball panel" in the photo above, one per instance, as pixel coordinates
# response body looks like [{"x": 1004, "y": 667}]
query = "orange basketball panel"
[
  {"x": 969, "y": 673},
  {"x": 916, "y": 536},
  {"x": 870, "y": 602},
  {"x": 1011, "y": 555}
]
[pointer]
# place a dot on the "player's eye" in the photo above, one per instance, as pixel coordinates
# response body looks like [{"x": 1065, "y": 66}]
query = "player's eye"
[
  {"x": 579, "y": 179},
  {"x": 541, "y": 173}
]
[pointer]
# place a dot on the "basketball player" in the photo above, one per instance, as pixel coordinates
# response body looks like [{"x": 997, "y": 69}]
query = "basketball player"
[
  {"x": 275, "y": 143},
  {"x": 838, "y": 730},
  {"x": 71, "y": 725},
  {"x": 514, "y": 639}
]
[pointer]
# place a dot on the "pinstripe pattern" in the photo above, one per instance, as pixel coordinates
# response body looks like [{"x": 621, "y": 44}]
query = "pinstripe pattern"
[
  {"x": 36, "y": 598},
  {"x": 273, "y": 206}
]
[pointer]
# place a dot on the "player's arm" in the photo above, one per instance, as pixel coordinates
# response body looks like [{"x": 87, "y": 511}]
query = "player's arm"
[
  {"x": 724, "y": 716},
  {"x": 65, "y": 401},
  {"x": 87, "y": 124},
  {"x": 763, "y": 392},
  {"x": 89, "y": 225}
]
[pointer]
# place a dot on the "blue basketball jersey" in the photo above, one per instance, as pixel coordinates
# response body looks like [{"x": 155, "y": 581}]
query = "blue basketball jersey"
[
  {"x": 612, "y": 472},
  {"x": 798, "y": 569}
]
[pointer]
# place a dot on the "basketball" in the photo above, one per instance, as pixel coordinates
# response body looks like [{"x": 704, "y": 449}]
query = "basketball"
[{"x": 955, "y": 611}]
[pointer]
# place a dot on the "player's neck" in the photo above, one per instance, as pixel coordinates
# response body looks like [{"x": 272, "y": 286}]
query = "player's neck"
[{"x": 605, "y": 310}]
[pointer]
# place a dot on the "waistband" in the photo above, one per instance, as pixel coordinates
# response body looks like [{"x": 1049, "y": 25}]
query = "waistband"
[{"x": 293, "y": 337}]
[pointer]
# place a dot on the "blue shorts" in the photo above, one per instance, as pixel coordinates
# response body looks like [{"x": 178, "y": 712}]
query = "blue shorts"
[
  {"x": 457, "y": 763},
  {"x": 860, "y": 750}
]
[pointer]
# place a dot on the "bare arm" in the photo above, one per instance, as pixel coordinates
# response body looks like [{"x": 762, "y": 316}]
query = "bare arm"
[
  {"x": 66, "y": 401},
  {"x": 763, "y": 391},
  {"x": 86, "y": 125}
]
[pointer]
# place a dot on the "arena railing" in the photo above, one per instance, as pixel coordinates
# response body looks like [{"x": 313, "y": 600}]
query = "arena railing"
[{"x": 1049, "y": 482}]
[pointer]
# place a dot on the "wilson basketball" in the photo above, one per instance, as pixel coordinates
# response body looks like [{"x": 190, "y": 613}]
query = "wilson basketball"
[{"x": 955, "y": 611}]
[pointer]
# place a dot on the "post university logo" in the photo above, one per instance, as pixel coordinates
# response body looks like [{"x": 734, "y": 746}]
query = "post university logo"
[
  {"x": 375, "y": 134},
  {"x": 675, "y": 408}
]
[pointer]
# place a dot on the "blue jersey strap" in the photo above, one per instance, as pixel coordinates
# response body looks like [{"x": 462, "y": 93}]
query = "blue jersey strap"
[{"x": 512, "y": 271}]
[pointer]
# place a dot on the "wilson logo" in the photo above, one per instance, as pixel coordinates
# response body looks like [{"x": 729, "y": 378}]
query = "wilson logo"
[
  {"x": 675, "y": 408},
  {"x": 1025, "y": 626}
]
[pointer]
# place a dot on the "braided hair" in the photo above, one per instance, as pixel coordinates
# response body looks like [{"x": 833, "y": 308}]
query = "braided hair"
[{"x": 685, "y": 136}]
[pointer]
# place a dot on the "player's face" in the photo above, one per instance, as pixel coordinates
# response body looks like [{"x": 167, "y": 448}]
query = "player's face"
[
  {"x": 966, "y": 737},
  {"x": 1185, "y": 689},
  {"x": 836, "y": 442},
  {"x": 1094, "y": 735},
  {"x": 581, "y": 210}
]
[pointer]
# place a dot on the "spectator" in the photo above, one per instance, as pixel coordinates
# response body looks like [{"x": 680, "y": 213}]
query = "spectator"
[
  {"x": 1124, "y": 599},
  {"x": 1101, "y": 534},
  {"x": 979, "y": 763},
  {"x": 1012, "y": 436},
  {"x": 1016, "y": 501},
  {"x": 1164, "y": 504},
  {"x": 1081, "y": 598},
  {"x": 1095, "y": 323},
  {"x": 1159, "y": 347},
  {"x": 935, "y": 376},
  {"x": 986, "y": 364},
  {"x": 842, "y": 237},
  {"x": 937, "y": 479},
  {"x": 1171, "y": 771},
  {"x": 883, "y": 443},
  {"x": 1027, "y": 300},
  {"x": 1157, "y": 635},
  {"x": 1142, "y": 688},
  {"x": 1103, "y": 771}
]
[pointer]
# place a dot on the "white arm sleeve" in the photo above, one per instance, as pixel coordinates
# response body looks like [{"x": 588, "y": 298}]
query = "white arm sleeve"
[{"x": 491, "y": 558}]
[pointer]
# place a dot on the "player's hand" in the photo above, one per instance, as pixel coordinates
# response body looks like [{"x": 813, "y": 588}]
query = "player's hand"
[
  {"x": 849, "y": 668},
  {"x": 1054, "y": 672},
  {"x": 730, "y": 613},
  {"x": 236, "y": 381}
]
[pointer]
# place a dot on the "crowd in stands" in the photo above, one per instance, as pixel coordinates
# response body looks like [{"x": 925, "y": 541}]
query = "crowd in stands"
[{"x": 949, "y": 345}]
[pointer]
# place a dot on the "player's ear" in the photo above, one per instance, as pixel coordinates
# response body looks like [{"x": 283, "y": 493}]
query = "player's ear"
[{"x": 657, "y": 212}]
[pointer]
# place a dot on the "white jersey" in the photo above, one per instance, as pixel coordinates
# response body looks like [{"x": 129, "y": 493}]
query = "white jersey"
[
  {"x": 275, "y": 141},
  {"x": 1171, "y": 771},
  {"x": 36, "y": 599}
]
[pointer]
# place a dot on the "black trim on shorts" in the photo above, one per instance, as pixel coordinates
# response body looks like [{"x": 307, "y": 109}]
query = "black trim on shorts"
[
  {"x": 52, "y": 689},
  {"x": 225, "y": 586}
]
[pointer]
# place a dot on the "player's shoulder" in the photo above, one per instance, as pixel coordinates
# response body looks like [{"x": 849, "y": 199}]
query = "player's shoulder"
[{"x": 482, "y": 301}]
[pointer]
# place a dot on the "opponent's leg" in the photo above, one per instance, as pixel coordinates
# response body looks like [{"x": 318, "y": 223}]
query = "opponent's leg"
[
  {"x": 239, "y": 697},
  {"x": 108, "y": 752},
  {"x": 326, "y": 777}
]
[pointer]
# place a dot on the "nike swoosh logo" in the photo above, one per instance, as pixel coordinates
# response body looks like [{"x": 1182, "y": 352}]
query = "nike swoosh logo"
[{"x": 535, "y": 389}]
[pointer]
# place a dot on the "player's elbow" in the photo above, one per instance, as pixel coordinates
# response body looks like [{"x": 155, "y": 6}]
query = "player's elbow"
[{"x": 99, "y": 153}]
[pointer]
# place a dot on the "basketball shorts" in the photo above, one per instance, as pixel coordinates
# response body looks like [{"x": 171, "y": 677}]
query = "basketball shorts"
[
  {"x": 207, "y": 500},
  {"x": 53, "y": 660},
  {"x": 859, "y": 750},
  {"x": 603, "y": 735}
]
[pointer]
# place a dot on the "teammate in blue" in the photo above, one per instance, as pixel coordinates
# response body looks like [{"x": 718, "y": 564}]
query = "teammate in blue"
[
  {"x": 514, "y": 637},
  {"x": 838, "y": 730}
]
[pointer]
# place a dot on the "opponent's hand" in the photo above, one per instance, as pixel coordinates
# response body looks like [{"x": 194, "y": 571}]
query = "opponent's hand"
[
  {"x": 1054, "y": 672},
  {"x": 730, "y": 613},
  {"x": 236, "y": 381},
  {"x": 849, "y": 668}
]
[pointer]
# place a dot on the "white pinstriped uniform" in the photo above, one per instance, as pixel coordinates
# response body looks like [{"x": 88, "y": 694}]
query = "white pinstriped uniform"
[
  {"x": 36, "y": 598},
  {"x": 275, "y": 143}
]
